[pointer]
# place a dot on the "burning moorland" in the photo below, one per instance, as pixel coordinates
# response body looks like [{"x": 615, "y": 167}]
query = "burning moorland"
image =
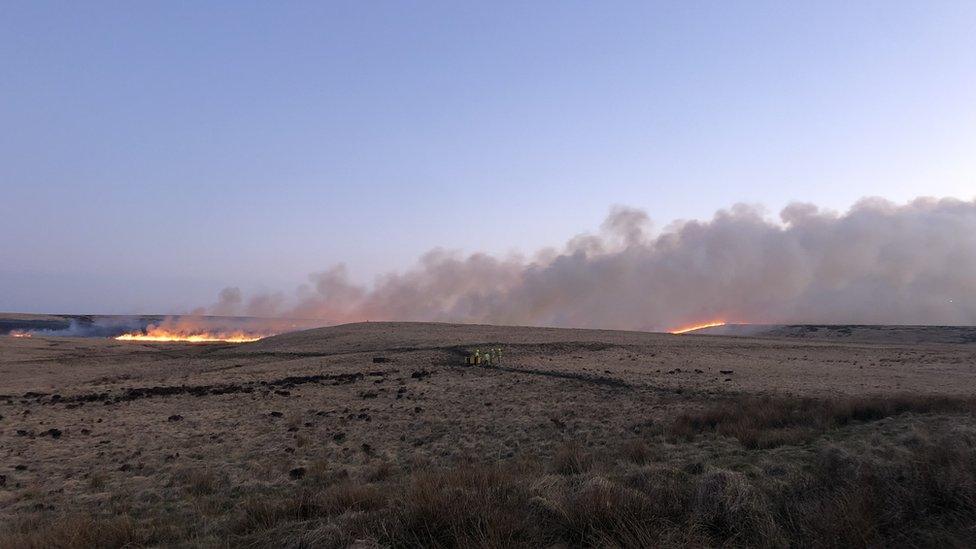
[
  {"x": 486, "y": 275},
  {"x": 379, "y": 434},
  {"x": 151, "y": 329},
  {"x": 190, "y": 331},
  {"x": 878, "y": 263},
  {"x": 237, "y": 426}
]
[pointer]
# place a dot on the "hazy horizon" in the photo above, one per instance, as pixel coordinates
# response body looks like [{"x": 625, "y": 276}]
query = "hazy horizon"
[{"x": 157, "y": 154}]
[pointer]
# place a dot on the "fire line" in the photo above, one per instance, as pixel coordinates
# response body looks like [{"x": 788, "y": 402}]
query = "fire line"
[
  {"x": 687, "y": 329},
  {"x": 161, "y": 335}
]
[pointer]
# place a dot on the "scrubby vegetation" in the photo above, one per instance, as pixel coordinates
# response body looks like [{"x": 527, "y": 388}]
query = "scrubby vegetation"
[
  {"x": 752, "y": 471},
  {"x": 769, "y": 421}
]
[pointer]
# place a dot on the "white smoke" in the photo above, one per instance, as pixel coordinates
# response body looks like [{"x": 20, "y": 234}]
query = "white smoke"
[{"x": 878, "y": 263}]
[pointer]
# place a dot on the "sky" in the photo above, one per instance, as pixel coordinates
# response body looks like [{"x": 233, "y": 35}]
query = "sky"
[{"x": 153, "y": 153}]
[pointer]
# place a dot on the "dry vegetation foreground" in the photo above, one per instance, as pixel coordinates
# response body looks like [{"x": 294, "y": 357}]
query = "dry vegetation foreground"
[{"x": 376, "y": 435}]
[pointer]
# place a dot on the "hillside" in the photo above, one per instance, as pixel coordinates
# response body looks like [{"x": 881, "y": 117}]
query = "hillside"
[
  {"x": 378, "y": 432},
  {"x": 853, "y": 333}
]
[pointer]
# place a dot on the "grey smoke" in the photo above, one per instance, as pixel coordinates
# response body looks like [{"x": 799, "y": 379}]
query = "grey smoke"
[
  {"x": 97, "y": 327},
  {"x": 878, "y": 263}
]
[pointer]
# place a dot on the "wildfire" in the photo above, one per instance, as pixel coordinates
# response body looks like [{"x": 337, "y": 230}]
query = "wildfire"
[
  {"x": 19, "y": 333},
  {"x": 159, "y": 334},
  {"x": 685, "y": 329}
]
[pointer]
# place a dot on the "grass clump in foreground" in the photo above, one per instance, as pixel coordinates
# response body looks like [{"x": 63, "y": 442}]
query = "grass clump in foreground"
[
  {"x": 770, "y": 421},
  {"x": 912, "y": 483}
]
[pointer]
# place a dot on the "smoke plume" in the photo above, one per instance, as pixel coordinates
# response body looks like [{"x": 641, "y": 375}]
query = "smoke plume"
[
  {"x": 79, "y": 327},
  {"x": 878, "y": 263}
]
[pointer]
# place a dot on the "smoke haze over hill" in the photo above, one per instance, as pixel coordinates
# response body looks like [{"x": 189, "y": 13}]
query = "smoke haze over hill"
[{"x": 878, "y": 263}]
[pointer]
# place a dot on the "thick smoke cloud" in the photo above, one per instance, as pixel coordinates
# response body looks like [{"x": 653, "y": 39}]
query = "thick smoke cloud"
[
  {"x": 877, "y": 263},
  {"x": 92, "y": 327}
]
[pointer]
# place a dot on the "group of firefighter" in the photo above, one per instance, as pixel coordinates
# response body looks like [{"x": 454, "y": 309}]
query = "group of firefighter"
[{"x": 491, "y": 357}]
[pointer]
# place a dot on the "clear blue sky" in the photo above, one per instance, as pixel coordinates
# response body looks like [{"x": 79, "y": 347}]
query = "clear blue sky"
[{"x": 154, "y": 152}]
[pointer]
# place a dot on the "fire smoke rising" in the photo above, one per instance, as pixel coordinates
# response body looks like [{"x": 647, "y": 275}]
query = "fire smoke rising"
[
  {"x": 878, "y": 263},
  {"x": 94, "y": 327}
]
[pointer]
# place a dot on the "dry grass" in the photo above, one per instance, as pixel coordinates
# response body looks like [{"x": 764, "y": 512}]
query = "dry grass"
[
  {"x": 469, "y": 506},
  {"x": 96, "y": 481},
  {"x": 199, "y": 481},
  {"x": 583, "y": 439},
  {"x": 77, "y": 532},
  {"x": 571, "y": 459},
  {"x": 637, "y": 451},
  {"x": 259, "y": 513},
  {"x": 916, "y": 488},
  {"x": 767, "y": 422}
]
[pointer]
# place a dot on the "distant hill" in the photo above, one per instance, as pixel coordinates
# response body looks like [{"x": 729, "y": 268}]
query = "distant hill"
[
  {"x": 370, "y": 336},
  {"x": 855, "y": 333}
]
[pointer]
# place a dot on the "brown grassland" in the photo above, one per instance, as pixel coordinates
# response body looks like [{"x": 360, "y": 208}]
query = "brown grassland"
[{"x": 376, "y": 435}]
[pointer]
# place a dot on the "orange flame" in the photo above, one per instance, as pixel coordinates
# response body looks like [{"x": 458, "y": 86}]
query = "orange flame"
[
  {"x": 19, "y": 333},
  {"x": 692, "y": 328},
  {"x": 157, "y": 334}
]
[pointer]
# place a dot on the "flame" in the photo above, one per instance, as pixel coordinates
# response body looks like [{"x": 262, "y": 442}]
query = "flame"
[
  {"x": 19, "y": 333},
  {"x": 685, "y": 329},
  {"x": 159, "y": 334}
]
